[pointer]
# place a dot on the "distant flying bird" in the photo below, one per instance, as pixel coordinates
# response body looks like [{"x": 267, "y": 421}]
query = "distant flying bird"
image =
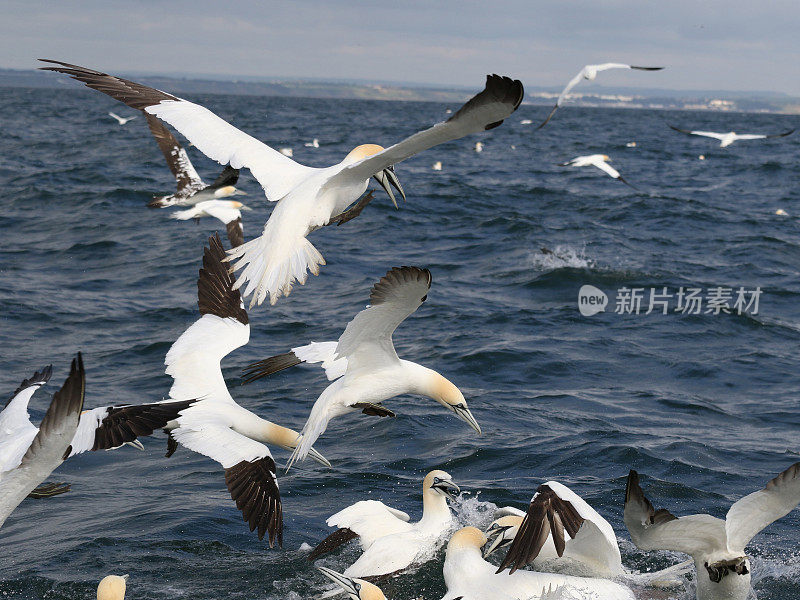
[
  {"x": 356, "y": 589},
  {"x": 726, "y": 139},
  {"x": 717, "y": 546},
  {"x": 191, "y": 189},
  {"x": 308, "y": 198},
  {"x": 312, "y": 144},
  {"x": 121, "y": 120},
  {"x": 112, "y": 587},
  {"x": 216, "y": 426},
  {"x": 599, "y": 161},
  {"x": 227, "y": 211},
  {"x": 589, "y": 72},
  {"x": 363, "y": 363}
]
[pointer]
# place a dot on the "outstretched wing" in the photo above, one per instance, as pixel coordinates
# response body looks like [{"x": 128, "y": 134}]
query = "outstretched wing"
[
  {"x": 16, "y": 430},
  {"x": 213, "y": 136},
  {"x": 178, "y": 161},
  {"x": 193, "y": 361},
  {"x": 315, "y": 352},
  {"x": 757, "y": 136},
  {"x": 711, "y": 134},
  {"x": 755, "y": 511},
  {"x": 562, "y": 96},
  {"x": 370, "y": 520},
  {"x": 499, "y": 99},
  {"x": 652, "y": 529},
  {"x": 367, "y": 340}
]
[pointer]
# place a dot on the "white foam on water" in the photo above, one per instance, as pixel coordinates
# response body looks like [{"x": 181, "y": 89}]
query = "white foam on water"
[{"x": 560, "y": 257}]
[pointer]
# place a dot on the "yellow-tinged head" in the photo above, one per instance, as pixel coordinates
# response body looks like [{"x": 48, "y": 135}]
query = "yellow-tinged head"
[
  {"x": 469, "y": 537},
  {"x": 112, "y": 587},
  {"x": 448, "y": 395},
  {"x": 606, "y": 157},
  {"x": 441, "y": 483},
  {"x": 361, "y": 152},
  {"x": 356, "y": 589}
]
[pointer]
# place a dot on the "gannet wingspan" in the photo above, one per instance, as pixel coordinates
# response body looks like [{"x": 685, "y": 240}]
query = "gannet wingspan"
[
  {"x": 726, "y": 139},
  {"x": 599, "y": 161},
  {"x": 589, "y": 72},
  {"x": 754, "y": 512},
  {"x": 121, "y": 120},
  {"x": 47, "y": 449},
  {"x": 211, "y": 135}
]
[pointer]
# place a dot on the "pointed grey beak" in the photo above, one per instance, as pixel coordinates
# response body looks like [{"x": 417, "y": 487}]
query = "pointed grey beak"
[
  {"x": 387, "y": 177},
  {"x": 463, "y": 413},
  {"x": 135, "y": 444},
  {"x": 450, "y": 489},
  {"x": 347, "y": 584},
  {"x": 499, "y": 540},
  {"x": 239, "y": 192},
  {"x": 244, "y": 207},
  {"x": 125, "y": 577},
  {"x": 318, "y": 457}
]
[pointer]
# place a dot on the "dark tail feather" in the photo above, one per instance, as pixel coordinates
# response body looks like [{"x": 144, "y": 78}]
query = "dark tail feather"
[
  {"x": 172, "y": 445},
  {"x": 268, "y": 366},
  {"x": 48, "y": 490},
  {"x": 333, "y": 541},
  {"x": 550, "y": 116}
]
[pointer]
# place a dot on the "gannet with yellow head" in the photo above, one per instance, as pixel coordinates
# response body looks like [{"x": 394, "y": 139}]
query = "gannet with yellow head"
[
  {"x": 112, "y": 587},
  {"x": 227, "y": 211},
  {"x": 308, "y": 198},
  {"x": 596, "y": 160},
  {"x": 726, "y": 139},
  {"x": 363, "y": 363},
  {"x": 391, "y": 543},
  {"x": 356, "y": 589}
]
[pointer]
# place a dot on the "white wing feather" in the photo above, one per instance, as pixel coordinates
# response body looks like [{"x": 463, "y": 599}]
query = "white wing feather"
[
  {"x": 572, "y": 83},
  {"x": 325, "y": 353},
  {"x": 90, "y": 420},
  {"x": 371, "y": 520},
  {"x": 607, "y": 168}
]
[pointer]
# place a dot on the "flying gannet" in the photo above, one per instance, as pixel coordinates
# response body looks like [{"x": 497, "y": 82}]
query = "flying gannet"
[
  {"x": 470, "y": 577},
  {"x": 216, "y": 426},
  {"x": 227, "y": 211},
  {"x": 307, "y": 198},
  {"x": 726, "y": 139},
  {"x": 561, "y": 532},
  {"x": 191, "y": 188},
  {"x": 356, "y": 589},
  {"x": 390, "y": 542},
  {"x": 363, "y": 363},
  {"x": 589, "y": 72},
  {"x": 121, "y": 120},
  {"x": 717, "y": 546},
  {"x": 29, "y": 454},
  {"x": 596, "y": 160},
  {"x": 112, "y": 587}
]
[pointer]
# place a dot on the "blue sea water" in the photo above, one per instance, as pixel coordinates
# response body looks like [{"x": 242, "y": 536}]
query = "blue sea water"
[{"x": 704, "y": 406}]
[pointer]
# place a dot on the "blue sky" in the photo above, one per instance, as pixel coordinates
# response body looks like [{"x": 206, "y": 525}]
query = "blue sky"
[{"x": 725, "y": 45}]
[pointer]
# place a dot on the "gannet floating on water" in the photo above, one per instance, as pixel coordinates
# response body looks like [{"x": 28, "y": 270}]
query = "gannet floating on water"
[
  {"x": 717, "y": 546},
  {"x": 599, "y": 161},
  {"x": 121, "y": 120},
  {"x": 112, "y": 587},
  {"x": 469, "y": 577},
  {"x": 560, "y": 532},
  {"x": 191, "y": 188},
  {"x": 356, "y": 589},
  {"x": 589, "y": 72},
  {"x": 390, "y": 542},
  {"x": 437, "y": 166},
  {"x": 29, "y": 454},
  {"x": 307, "y": 198},
  {"x": 363, "y": 363},
  {"x": 726, "y": 139},
  {"x": 227, "y": 211},
  {"x": 312, "y": 144},
  {"x": 216, "y": 426}
]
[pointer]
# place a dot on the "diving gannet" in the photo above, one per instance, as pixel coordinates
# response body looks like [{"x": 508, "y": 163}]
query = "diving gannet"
[
  {"x": 307, "y": 198},
  {"x": 726, "y": 139},
  {"x": 216, "y": 426},
  {"x": 470, "y": 577},
  {"x": 364, "y": 363},
  {"x": 191, "y": 189},
  {"x": 356, "y": 589},
  {"x": 390, "y": 542},
  {"x": 717, "y": 546},
  {"x": 589, "y": 72},
  {"x": 559, "y": 532},
  {"x": 112, "y": 587},
  {"x": 599, "y": 161},
  {"x": 102, "y": 428},
  {"x": 227, "y": 211},
  {"x": 121, "y": 120}
]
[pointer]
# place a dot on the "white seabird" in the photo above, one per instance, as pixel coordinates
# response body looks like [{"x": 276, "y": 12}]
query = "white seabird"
[
  {"x": 390, "y": 542},
  {"x": 28, "y": 454},
  {"x": 307, "y": 198},
  {"x": 356, "y": 589},
  {"x": 560, "y": 532},
  {"x": 191, "y": 188},
  {"x": 599, "y": 161},
  {"x": 312, "y": 144},
  {"x": 717, "y": 546},
  {"x": 726, "y": 139},
  {"x": 363, "y": 363},
  {"x": 227, "y": 211},
  {"x": 589, "y": 72},
  {"x": 216, "y": 426},
  {"x": 112, "y": 587},
  {"x": 121, "y": 120},
  {"x": 478, "y": 146},
  {"x": 469, "y": 577}
]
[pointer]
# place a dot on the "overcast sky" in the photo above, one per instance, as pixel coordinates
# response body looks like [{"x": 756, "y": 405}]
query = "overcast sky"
[{"x": 742, "y": 45}]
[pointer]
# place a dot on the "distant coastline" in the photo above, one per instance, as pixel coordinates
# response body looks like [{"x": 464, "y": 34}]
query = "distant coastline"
[{"x": 596, "y": 96}]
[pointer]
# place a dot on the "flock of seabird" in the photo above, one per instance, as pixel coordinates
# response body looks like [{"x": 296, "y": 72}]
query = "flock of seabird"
[{"x": 572, "y": 548}]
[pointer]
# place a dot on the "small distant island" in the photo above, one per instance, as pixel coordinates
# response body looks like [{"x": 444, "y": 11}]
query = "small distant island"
[{"x": 657, "y": 99}]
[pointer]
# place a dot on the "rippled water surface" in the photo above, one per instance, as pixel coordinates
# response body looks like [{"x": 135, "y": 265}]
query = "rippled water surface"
[{"x": 704, "y": 406}]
